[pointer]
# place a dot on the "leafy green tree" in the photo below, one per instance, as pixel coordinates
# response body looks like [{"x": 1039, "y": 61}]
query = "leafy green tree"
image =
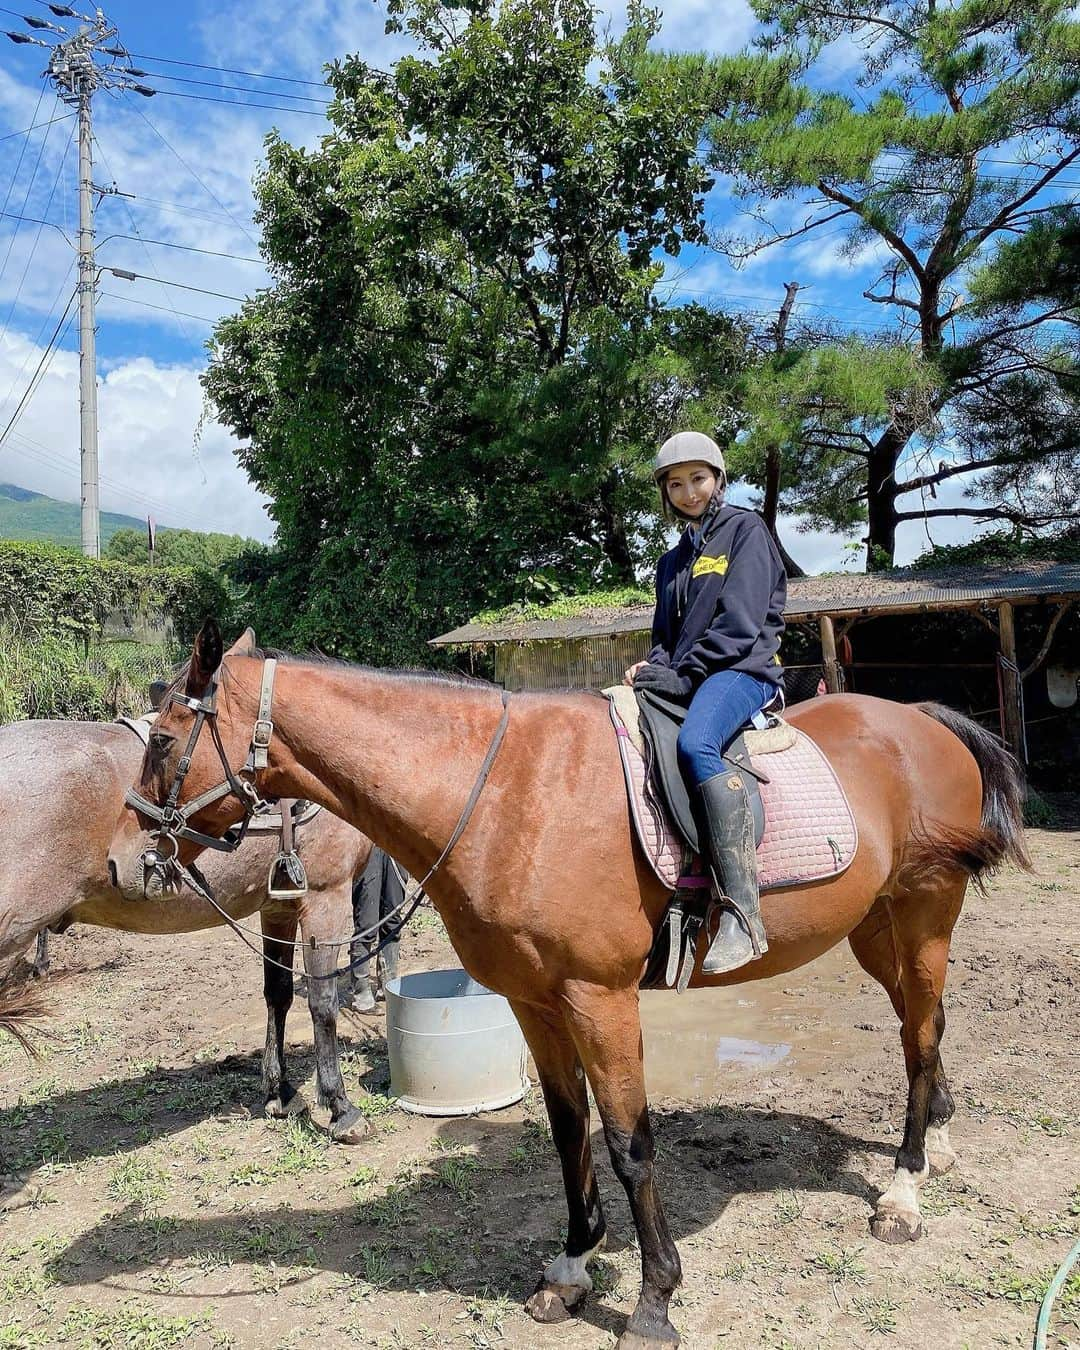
[
  {"x": 177, "y": 548},
  {"x": 452, "y": 388},
  {"x": 977, "y": 375}
]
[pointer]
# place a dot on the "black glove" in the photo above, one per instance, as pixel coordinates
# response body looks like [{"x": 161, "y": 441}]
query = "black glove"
[{"x": 664, "y": 681}]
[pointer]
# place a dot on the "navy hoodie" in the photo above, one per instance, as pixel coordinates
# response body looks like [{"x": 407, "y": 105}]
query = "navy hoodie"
[{"x": 720, "y": 596}]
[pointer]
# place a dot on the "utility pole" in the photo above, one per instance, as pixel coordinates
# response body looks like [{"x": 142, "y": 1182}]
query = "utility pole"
[
  {"x": 88, "y": 423},
  {"x": 77, "y": 77}
]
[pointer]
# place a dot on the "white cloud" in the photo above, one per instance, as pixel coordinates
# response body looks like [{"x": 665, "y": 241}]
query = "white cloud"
[{"x": 152, "y": 455}]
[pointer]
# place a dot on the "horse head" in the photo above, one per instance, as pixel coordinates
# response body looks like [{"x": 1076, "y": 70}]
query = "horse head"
[{"x": 197, "y": 780}]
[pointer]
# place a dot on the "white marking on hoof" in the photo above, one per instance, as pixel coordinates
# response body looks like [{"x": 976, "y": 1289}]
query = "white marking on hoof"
[
  {"x": 571, "y": 1270},
  {"x": 939, "y": 1151},
  {"x": 563, "y": 1286},
  {"x": 896, "y": 1216}
]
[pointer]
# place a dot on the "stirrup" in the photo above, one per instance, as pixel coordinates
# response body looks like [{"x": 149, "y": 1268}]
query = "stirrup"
[
  {"x": 743, "y": 947},
  {"x": 287, "y": 878}
]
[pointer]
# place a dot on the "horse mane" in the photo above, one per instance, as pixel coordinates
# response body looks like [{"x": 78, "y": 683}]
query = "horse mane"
[{"x": 415, "y": 674}]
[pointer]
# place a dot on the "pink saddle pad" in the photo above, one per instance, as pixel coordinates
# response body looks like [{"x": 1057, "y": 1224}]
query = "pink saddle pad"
[{"x": 810, "y": 830}]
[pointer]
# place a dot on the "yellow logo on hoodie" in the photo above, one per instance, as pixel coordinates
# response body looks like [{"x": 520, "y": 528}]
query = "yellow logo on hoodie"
[{"x": 706, "y": 566}]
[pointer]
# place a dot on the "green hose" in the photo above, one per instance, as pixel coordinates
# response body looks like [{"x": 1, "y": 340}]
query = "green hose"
[{"x": 1056, "y": 1286}]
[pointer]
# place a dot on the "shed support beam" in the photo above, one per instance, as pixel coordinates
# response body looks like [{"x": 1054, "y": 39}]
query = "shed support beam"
[
  {"x": 1010, "y": 680},
  {"x": 828, "y": 654}
]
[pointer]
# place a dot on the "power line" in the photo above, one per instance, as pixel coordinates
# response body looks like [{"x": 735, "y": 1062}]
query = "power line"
[
  {"x": 237, "y": 88},
  {"x": 236, "y": 103},
  {"x": 18, "y": 165},
  {"x": 55, "y": 459},
  {"x": 198, "y": 211},
  {"x": 10, "y": 136},
  {"x": 145, "y": 304},
  {"x": 146, "y": 251},
  {"x": 42, "y": 366},
  {"x": 38, "y": 337},
  {"x": 227, "y": 70},
  {"x": 33, "y": 220},
  {"x": 126, "y": 275},
  {"x": 180, "y": 159},
  {"x": 11, "y": 241},
  {"x": 187, "y": 248}
]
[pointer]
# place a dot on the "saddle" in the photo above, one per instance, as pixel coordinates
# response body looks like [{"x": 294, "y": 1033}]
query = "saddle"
[
  {"x": 805, "y": 829},
  {"x": 287, "y": 878}
]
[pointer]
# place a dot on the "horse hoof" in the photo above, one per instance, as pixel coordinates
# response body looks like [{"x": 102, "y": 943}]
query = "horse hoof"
[
  {"x": 278, "y": 1108},
  {"x": 895, "y": 1226},
  {"x": 940, "y": 1161},
  {"x": 633, "y": 1340},
  {"x": 351, "y": 1128},
  {"x": 554, "y": 1302}
]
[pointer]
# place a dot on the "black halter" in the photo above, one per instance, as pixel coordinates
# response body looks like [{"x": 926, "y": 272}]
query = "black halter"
[{"x": 172, "y": 819}]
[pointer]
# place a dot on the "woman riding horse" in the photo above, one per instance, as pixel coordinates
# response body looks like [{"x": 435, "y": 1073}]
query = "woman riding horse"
[{"x": 720, "y": 596}]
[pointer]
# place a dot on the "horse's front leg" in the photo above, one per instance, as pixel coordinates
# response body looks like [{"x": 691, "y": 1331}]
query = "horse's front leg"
[
  {"x": 279, "y": 933},
  {"x": 606, "y": 1027},
  {"x": 326, "y": 923},
  {"x": 565, "y": 1282}
]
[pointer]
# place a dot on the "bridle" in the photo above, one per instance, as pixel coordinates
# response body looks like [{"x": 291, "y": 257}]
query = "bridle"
[{"x": 173, "y": 820}]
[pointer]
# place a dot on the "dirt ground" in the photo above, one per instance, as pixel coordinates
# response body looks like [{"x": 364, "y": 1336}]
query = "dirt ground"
[{"x": 147, "y": 1204}]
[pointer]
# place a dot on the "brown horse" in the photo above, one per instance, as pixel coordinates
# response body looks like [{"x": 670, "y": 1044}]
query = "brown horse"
[
  {"x": 61, "y": 788},
  {"x": 548, "y": 900}
]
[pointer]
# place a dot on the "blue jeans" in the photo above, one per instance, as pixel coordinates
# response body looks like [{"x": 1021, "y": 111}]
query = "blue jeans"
[{"x": 723, "y": 704}]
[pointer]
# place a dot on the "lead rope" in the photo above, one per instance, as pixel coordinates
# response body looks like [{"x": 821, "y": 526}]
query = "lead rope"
[{"x": 195, "y": 879}]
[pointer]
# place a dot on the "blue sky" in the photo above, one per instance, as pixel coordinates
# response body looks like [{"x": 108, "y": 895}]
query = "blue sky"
[{"x": 190, "y": 164}]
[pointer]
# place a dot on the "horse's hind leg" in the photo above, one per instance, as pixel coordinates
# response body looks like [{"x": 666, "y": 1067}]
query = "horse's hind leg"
[
  {"x": 279, "y": 932},
  {"x": 40, "y": 967},
  {"x": 872, "y": 943},
  {"x": 606, "y": 1027},
  {"x": 921, "y": 926},
  {"x": 565, "y": 1282},
  {"x": 327, "y": 923}
]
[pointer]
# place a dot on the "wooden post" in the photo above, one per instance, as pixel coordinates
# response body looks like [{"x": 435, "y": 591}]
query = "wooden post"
[
  {"x": 1010, "y": 679},
  {"x": 828, "y": 654}
]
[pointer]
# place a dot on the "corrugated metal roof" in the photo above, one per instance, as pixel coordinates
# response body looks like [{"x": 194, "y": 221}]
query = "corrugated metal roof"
[{"x": 838, "y": 593}]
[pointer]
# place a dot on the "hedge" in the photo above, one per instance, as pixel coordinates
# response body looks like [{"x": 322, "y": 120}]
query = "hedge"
[{"x": 49, "y": 590}]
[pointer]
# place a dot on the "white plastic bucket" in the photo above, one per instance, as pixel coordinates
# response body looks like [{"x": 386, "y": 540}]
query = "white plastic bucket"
[{"x": 455, "y": 1047}]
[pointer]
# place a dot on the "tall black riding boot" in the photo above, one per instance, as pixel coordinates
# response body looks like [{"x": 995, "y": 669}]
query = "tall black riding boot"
[{"x": 729, "y": 823}]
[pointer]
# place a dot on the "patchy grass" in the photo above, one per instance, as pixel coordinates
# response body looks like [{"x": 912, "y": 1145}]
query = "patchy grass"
[
  {"x": 877, "y": 1314},
  {"x": 842, "y": 1267},
  {"x": 131, "y": 1327},
  {"x": 136, "y": 1180}
]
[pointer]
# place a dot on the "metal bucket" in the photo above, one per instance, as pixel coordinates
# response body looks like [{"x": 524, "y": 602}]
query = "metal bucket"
[{"x": 455, "y": 1047}]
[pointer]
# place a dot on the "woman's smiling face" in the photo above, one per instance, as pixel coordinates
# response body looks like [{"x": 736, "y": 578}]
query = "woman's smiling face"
[{"x": 690, "y": 488}]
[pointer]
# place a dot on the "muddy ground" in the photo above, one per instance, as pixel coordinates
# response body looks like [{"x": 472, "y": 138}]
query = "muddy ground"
[{"x": 147, "y": 1204}]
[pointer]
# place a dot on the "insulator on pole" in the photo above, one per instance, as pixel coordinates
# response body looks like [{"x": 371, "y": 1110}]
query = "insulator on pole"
[
  {"x": 25, "y": 37},
  {"x": 113, "y": 51},
  {"x": 130, "y": 70},
  {"x": 35, "y": 22},
  {"x": 144, "y": 89},
  {"x": 63, "y": 11}
]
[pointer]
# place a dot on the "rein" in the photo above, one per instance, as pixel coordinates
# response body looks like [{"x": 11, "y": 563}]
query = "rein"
[{"x": 173, "y": 819}]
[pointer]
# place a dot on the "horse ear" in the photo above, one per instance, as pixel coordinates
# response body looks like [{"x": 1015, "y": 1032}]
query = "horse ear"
[
  {"x": 205, "y": 659},
  {"x": 157, "y": 693},
  {"x": 244, "y": 644}
]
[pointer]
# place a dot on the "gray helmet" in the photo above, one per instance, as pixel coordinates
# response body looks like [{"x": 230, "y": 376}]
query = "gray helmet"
[{"x": 688, "y": 447}]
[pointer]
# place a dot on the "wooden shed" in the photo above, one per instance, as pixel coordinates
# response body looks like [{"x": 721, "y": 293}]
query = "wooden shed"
[{"x": 592, "y": 649}]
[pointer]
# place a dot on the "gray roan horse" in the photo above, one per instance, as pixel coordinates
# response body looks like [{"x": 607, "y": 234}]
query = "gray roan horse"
[{"x": 61, "y": 790}]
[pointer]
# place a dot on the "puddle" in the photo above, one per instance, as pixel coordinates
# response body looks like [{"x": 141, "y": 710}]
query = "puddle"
[{"x": 699, "y": 1042}]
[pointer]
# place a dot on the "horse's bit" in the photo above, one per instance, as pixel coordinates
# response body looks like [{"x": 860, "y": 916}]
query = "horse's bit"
[{"x": 173, "y": 820}]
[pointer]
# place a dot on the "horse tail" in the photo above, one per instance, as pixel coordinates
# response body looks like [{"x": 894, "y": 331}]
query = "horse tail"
[
  {"x": 22, "y": 1005},
  {"x": 1000, "y": 837}
]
